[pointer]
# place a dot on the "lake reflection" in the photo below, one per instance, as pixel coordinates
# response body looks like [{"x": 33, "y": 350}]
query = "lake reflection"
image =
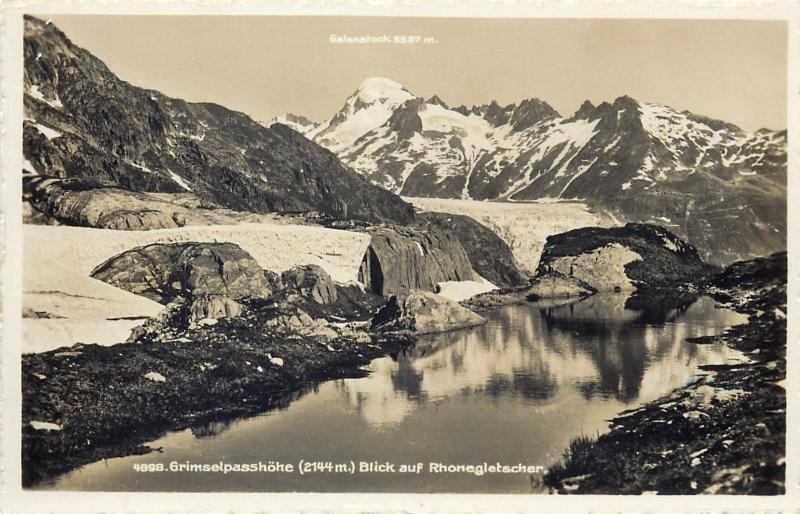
[{"x": 514, "y": 390}]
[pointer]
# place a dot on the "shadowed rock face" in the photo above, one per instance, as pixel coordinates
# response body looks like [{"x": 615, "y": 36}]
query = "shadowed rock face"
[
  {"x": 423, "y": 312},
  {"x": 489, "y": 255},
  {"x": 83, "y": 121},
  {"x": 401, "y": 259},
  {"x": 162, "y": 272},
  {"x": 636, "y": 255}
]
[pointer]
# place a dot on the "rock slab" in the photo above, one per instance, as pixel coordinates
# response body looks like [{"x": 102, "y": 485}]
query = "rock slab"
[
  {"x": 423, "y": 312},
  {"x": 623, "y": 258},
  {"x": 402, "y": 259}
]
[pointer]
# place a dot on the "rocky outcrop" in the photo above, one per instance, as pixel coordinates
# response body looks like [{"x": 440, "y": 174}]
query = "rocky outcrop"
[
  {"x": 85, "y": 204},
  {"x": 405, "y": 120},
  {"x": 488, "y": 254},
  {"x": 91, "y": 203},
  {"x": 295, "y": 321},
  {"x": 552, "y": 287},
  {"x": 311, "y": 281},
  {"x": 163, "y": 272},
  {"x": 622, "y": 258},
  {"x": 212, "y": 307},
  {"x": 401, "y": 259},
  {"x": 557, "y": 285},
  {"x": 83, "y": 121},
  {"x": 423, "y": 312}
]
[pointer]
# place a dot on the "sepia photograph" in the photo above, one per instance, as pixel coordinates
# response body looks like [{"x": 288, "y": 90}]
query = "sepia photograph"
[{"x": 365, "y": 254}]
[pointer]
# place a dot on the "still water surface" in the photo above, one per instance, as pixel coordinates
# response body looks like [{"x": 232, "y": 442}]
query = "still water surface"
[{"x": 515, "y": 390}]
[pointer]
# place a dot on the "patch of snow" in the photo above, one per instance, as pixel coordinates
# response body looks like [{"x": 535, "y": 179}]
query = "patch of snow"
[
  {"x": 37, "y": 94},
  {"x": 283, "y": 119},
  {"x": 141, "y": 167},
  {"x": 196, "y": 137},
  {"x": 48, "y": 132},
  {"x": 45, "y": 425},
  {"x": 669, "y": 244},
  {"x": 177, "y": 178},
  {"x": 277, "y": 361},
  {"x": 27, "y": 166},
  {"x": 464, "y": 289},
  {"x": 421, "y": 250}
]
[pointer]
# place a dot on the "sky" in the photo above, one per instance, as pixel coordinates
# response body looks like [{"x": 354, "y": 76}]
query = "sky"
[{"x": 265, "y": 65}]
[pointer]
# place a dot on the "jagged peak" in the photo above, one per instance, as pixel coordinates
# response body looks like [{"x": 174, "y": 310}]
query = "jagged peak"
[
  {"x": 586, "y": 108},
  {"x": 625, "y": 101},
  {"x": 531, "y": 111},
  {"x": 435, "y": 100}
]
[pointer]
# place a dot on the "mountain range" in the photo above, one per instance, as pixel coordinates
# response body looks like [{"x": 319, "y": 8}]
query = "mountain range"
[
  {"x": 717, "y": 186},
  {"x": 722, "y": 188}
]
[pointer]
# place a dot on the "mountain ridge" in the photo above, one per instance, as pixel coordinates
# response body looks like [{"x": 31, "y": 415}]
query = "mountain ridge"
[
  {"x": 81, "y": 120},
  {"x": 610, "y": 155}
]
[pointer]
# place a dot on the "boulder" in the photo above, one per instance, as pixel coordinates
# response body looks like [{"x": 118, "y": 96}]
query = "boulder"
[
  {"x": 163, "y": 272},
  {"x": 297, "y": 321},
  {"x": 402, "y": 259},
  {"x": 221, "y": 269},
  {"x": 311, "y": 281},
  {"x": 293, "y": 321},
  {"x": 423, "y": 312},
  {"x": 622, "y": 258},
  {"x": 488, "y": 254}
]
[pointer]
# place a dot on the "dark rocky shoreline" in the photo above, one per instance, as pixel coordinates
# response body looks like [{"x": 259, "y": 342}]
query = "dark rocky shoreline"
[
  {"x": 724, "y": 433},
  {"x": 109, "y": 401}
]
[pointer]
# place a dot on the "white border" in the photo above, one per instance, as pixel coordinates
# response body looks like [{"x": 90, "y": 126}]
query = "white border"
[{"x": 14, "y": 499}]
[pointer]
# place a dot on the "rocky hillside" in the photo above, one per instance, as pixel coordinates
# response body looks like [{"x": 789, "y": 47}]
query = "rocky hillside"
[
  {"x": 81, "y": 120},
  {"x": 623, "y": 258},
  {"x": 708, "y": 181},
  {"x": 489, "y": 255}
]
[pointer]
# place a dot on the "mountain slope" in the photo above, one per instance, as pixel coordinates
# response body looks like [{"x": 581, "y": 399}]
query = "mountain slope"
[
  {"x": 81, "y": 120},
  {"x": 709, "y": 181}
]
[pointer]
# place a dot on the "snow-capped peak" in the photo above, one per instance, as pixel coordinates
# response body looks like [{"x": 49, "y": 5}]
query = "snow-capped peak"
[
  {"x": 380, "y": 89},
  {"x": 296, "y": 122},
  {"x": 368, "y": 108}
]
